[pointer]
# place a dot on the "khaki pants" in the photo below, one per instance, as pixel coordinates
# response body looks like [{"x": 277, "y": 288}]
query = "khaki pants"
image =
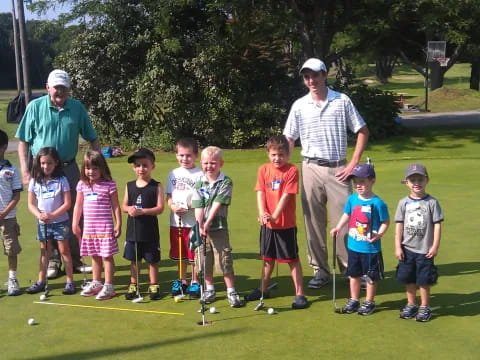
[{"x": 320, "y": 189}]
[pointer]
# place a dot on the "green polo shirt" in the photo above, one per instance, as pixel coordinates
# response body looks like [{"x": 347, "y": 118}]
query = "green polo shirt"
[{"x": 43, "y": 125}]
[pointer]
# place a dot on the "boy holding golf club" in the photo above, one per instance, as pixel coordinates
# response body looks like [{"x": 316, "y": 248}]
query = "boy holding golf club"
[
  {"x": 10, "y": 188},
  {"x": 277, "y": 187},
  {"x": 212, "y": 196},
  {"x": 368, "y": 220},
  {"x": 179, "y": 192},
  {"x": 143, "y": 201},
  {"x": 417, "y": 237}
]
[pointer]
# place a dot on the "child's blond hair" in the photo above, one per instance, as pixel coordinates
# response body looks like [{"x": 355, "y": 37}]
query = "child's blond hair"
[{"x": 213, "y": 151}]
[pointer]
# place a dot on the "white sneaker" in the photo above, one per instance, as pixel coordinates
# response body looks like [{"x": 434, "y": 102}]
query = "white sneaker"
[
  {"x": 92, "y": 288},
  {"x": 53, "y": 268},
  {"x": 13, "y": 287},
  {"x": 106, "y": 293},
  {"x": 234, "y": 299}
]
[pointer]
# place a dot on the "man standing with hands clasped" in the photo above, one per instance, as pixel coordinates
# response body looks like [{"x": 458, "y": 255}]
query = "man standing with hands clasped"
[
  {"x": 56, "y": 120},
  {"x": 321, "y": 120}
]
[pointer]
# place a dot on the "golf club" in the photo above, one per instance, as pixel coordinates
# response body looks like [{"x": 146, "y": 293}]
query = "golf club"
[
  {"x": 45, "y": 231},
  {"x": 181, "y": 296},
  {"x": 335, "y": 307},
  {"x": 203, "y": 285},
  {"x": 139, "y": 297},
  {"x": 261, "y": 303},
  {"x": 368, "y": 276},
  {"x": 85, "y": 283}
]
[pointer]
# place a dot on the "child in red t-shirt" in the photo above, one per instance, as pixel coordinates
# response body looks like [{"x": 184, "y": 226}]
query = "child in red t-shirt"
[{"x": 277, "y": 187}]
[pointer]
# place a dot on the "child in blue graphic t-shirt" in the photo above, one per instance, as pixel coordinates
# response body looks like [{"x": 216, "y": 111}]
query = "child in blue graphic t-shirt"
[{"x": 368, "y": 219}]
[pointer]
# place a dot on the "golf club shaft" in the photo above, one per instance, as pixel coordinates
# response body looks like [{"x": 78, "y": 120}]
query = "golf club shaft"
[
  {"x": 180, "y": 264},
  {"x": 45, "y": 231}
]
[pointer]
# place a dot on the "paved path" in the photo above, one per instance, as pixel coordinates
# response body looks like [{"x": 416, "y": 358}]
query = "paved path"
[{"x": 459, "y": 118}]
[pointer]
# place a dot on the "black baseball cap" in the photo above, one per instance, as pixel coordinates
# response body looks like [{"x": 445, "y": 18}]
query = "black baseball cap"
[{"x": 141, "y": 153}]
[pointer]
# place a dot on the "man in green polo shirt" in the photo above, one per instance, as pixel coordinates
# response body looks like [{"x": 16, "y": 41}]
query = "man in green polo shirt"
[{"x": 56, "y": 120}]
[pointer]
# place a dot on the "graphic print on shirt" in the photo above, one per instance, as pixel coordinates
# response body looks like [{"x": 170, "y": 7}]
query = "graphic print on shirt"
[
  {"x": 359, "y": 225},
  {"x": 415, "y": 216}
]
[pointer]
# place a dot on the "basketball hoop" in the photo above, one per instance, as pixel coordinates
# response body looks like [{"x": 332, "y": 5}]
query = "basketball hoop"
[{"x": 443, "y": 61}]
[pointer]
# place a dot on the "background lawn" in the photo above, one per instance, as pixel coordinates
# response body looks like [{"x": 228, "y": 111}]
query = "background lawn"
[{"x": 80, "y": 333}]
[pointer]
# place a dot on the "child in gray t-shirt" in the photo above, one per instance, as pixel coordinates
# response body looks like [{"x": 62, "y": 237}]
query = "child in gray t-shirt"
[{"x": 417, "y": 238}]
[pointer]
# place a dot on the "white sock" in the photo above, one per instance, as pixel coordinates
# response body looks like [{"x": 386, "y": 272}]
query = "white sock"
[
  {"x": 210, "y": 287},
  {"x": 108, "y": 286},
  {"x": 12, "y": 274},
  {"x": 230, "y": 290}
]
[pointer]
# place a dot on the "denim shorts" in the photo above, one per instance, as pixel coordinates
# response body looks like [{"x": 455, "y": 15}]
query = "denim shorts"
[
  {"x": 416, "y": 269},
  {"x": 360, "y": 264},
  {"x": 55, "y": 231}
]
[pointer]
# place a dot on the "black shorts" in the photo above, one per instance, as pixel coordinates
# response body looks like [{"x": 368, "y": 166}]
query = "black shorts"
[
  {"x": 278, "y": 244},
  {"x": 416, "y": 269},
  {"x": 360, "y": 264},
  {"x": 146, "y": 250}
]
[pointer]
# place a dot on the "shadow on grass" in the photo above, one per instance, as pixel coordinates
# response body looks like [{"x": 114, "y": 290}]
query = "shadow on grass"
[
  {"x": 123, "y": 351},
  {"x": 463, "y": 268},
  {"x": 416, "y": 139}
]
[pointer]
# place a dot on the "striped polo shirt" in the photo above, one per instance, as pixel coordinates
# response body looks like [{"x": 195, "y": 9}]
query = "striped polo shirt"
[{"x": 322, "y": 129}]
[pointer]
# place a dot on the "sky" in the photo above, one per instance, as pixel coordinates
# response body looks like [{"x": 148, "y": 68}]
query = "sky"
[{"x": 6, "y": 6}]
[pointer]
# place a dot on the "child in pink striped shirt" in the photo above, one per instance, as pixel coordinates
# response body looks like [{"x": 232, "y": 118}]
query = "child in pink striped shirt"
[{"x": 97, "y": 200}]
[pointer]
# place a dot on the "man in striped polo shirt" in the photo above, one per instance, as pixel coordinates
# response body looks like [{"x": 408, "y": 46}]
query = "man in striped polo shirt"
[{"x": 321, "y": 120}]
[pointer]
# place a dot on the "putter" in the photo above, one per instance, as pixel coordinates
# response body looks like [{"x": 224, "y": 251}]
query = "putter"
[
  {"x": 336, "y": 309},
  {"x": 139, "y": 297},
  {"x": 274, "y": 285},
  {"x": 180, "y": 264},
  {"x": 85, "y": 283},
  {"x": 367, "y": 276},
  {"x": 45, "y": 231},
  {"x": 203, "y": 285}
]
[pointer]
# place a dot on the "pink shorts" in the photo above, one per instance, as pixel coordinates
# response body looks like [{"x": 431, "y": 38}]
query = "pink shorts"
[{"x": 180, "y": 235}]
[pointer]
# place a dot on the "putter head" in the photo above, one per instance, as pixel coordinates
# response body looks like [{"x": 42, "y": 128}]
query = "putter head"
[
  {"x": 46, "y": 293},
  {"x": 259, "y": 306},
  {"x": 179, "y": 298},
  {"x": 137, "y": 299}
]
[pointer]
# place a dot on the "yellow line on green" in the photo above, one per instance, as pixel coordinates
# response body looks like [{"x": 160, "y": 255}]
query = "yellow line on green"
[{"x": 110, "y": 308}]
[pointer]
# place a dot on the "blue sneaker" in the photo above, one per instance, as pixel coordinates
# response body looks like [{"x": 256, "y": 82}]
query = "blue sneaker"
[
  {"x": 351, "y": 306},
  {"x": 367, "y": 308},
  {"x": 409, "y": 311},
  {"x": 424, "y": 314},
  {"x": 36, "y": 288},
  {"x": 194, "y": 290},
  {"x": 178, "y": 288},
  {"x": 69, "y": 288}
]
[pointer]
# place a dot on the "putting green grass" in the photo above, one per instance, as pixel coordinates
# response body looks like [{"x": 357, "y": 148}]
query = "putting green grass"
[{"x": 90, "y": 332}]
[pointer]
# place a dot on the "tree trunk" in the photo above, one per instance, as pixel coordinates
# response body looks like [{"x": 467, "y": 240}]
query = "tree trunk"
[
  {"x": 23, "y": 45},
  {"x": 17, "y": 49},
  {"x": 437, "y": 75},
  {"x": 384, "y": 67},
  {"x": 475, "y": 75}
]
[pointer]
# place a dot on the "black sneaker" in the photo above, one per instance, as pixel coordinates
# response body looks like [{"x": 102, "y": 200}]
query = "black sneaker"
[
  {"x": 131, "y": 292},
  {"x": 424, "y": 314},
  {"x": 300, "y": 302},
  {"x": 367, "y": 308},
  {"x": 154, "y": 292},
  {"x": 351, "y": 306},
  {"x": 318, "y": 281},
  {"x": 256, "y": 294},
  {"x": 409, "y": 311}
]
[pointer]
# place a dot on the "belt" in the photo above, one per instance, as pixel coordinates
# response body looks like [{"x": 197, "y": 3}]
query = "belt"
[
  {"x": 68, "y": 162},
  {"x": 325, "y": 162}
]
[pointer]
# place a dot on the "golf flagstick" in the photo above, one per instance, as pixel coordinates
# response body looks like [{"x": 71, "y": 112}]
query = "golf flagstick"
[{"x": 180, "y": 255}]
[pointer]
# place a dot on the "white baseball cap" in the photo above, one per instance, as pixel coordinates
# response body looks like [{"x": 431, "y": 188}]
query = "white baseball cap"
[
  {"x": 314, "y": 64},
  {"x": 58, "y": 77}
]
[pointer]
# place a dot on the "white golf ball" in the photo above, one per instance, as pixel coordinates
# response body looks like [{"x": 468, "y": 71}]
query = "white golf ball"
[
  {"x": 42, "y": 297},
  {"x": 31, "y": 321},
  {"x": 271, "y": 311},
  {"x": 213, "y": 310}
]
